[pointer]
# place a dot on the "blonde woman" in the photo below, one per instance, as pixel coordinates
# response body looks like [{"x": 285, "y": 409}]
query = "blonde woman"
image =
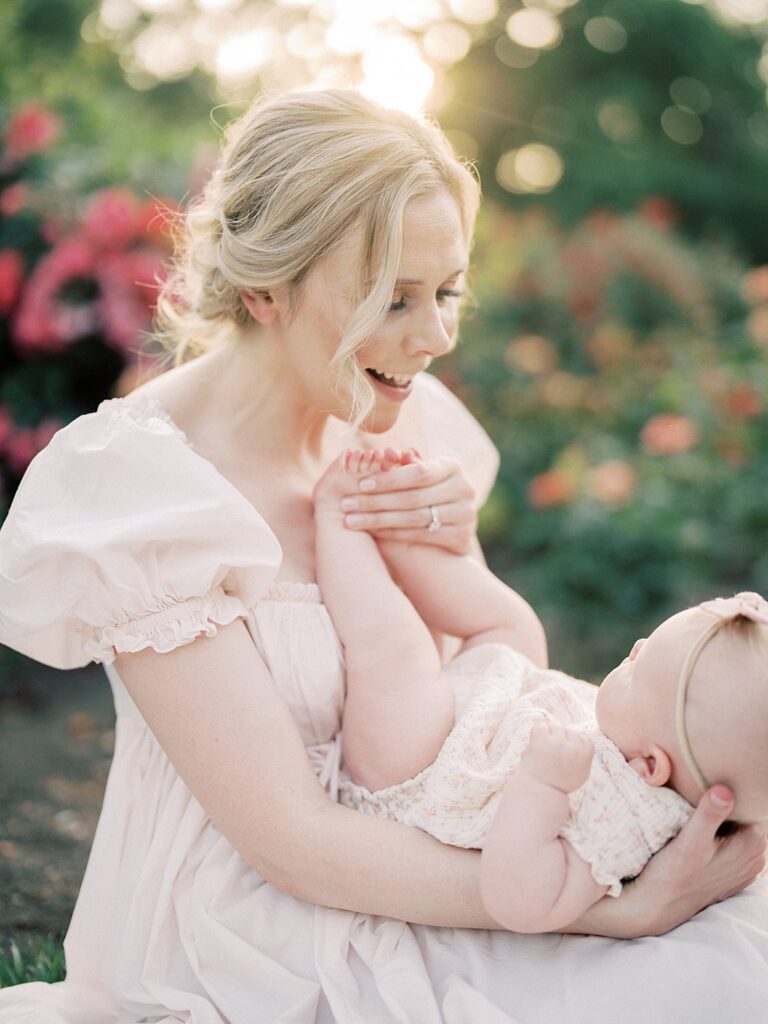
[{"x": 169, "y": 536}]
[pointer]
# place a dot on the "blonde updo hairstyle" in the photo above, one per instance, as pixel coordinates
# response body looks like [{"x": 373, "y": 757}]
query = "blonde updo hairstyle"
[{"x": 296, "y": 172}]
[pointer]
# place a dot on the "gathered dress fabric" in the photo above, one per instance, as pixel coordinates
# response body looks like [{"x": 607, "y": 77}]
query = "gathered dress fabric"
[{"x": 122, "y": 537}]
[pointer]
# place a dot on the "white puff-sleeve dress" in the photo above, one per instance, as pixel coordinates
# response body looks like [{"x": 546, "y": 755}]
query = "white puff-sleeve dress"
[{"x": 122, "y": 537}]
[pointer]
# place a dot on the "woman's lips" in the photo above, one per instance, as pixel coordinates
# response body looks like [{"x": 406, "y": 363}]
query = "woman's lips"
[{"x": 396, "y": 392}]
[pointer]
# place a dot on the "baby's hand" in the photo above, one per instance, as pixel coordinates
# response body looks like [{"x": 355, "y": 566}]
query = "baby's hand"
[
  {"x": 342, "y": 476},
  {"x": 558, "y": 756}
]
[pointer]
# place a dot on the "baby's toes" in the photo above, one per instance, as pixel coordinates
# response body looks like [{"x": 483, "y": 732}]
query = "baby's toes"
[{"x": 354, "y": 459}]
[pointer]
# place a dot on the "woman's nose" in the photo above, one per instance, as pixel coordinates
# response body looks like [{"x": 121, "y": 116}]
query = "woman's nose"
[{"x": 431, "y": 334}]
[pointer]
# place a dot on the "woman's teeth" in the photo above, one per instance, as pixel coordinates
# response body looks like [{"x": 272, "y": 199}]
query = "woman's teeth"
[{"x": 398, "y": 380}]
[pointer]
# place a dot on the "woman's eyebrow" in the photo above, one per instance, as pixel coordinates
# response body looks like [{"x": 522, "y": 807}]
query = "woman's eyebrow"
[{"x": 411, "y": 280}]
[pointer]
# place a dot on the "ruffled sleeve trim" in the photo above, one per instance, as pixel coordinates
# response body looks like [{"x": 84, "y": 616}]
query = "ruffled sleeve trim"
[{"x": 170, "y": 627}]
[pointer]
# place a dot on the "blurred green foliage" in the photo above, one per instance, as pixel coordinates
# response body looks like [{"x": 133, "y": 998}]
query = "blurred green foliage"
[
  {"x": 114, "y": 132},
  {"x": 622, "y": 372}
]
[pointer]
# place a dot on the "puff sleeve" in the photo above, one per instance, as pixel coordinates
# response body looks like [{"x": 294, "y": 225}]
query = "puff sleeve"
[
  {"x": 121, "y": 537},
  {"x": 450, "y": 429}
]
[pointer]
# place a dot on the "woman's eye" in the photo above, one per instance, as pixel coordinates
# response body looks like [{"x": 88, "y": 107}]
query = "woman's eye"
[
  {"x": 399, "y": 304},
  {"x": 448, "y": 293}
]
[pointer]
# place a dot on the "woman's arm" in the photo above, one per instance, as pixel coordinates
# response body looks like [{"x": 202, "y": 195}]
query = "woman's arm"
[{"x": 218, "y": 715}]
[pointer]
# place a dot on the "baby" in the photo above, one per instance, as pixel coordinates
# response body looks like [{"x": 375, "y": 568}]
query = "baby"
[{"x": 566, "y": 789}]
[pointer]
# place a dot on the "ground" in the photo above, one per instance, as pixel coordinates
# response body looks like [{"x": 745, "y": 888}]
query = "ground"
[{"x": 55, "y": 750}]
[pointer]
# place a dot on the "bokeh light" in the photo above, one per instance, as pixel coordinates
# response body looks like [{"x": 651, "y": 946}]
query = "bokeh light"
[
  {"x": 395, "y": 75},
  {"x": 619, "y": 121},
  {"x": 682, "y": 125},
  {"x": 533, "y": 168},
  {"x": 535, "y": 28},
  {"x": 606, "y": 34},
  {"x": 474, "y": 12},
  {"x": 691, "y": 94}
]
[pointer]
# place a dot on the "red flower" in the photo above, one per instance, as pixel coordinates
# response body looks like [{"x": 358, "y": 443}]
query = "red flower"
[
  {"x": 668, "y": 434},
  {"x": 113, "y": 219},
  {"x": 743, "y": 402},
  {"x": 11, "y": 277},
  {"x": 550, "y": 489},
  {"x": 32, "y": 129}
]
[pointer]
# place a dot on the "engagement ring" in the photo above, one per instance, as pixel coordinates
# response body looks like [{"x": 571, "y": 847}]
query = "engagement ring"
[{"x": 434, "y": 523}]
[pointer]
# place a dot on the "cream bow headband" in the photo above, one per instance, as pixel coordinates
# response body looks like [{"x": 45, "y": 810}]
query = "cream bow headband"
[{"x": 745, "y": 605}]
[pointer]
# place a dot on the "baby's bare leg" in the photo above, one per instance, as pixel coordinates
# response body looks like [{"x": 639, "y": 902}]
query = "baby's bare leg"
[{"x": 398, "y": 710}]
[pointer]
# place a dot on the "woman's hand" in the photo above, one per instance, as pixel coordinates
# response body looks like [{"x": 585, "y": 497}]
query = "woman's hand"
[
  {"x": 396, "y": 505},
  {"x": 696, "y": 869}
]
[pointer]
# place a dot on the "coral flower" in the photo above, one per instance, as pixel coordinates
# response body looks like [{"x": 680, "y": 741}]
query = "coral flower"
[
  {"x": 743, "y": 402},
  {"x": 668, "y": 434},
  {"x": 549, "y": 489}
]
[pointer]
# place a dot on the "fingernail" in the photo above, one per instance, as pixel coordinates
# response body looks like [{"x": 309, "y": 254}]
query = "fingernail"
[
  {"x": 721, "y": 797},
  {"x": 353, "y": 520},
  {"x": 349, "y": 504},
  {"x": 367, "y": 485}
]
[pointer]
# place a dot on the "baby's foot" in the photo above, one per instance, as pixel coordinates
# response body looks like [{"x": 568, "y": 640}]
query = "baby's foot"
[{"x": 345, "y": 472}]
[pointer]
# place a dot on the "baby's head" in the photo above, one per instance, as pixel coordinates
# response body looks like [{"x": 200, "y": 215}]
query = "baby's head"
[{"x": 689, "y": 707}]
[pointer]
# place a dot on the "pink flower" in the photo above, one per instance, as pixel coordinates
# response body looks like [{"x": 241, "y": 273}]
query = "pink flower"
[
  {"x": 13, "y": 199},
  {"x": 11, "y": 278},
  {"x": 612, "y": 483},
  {"x": 23, "y": 443},
  {"x": 44, "y": 320},
  {"x": 550, "y": 489},
  {"x": 128, "y": 290},
  {"x": 113, "y": 218},
  {"x": 668, "y": 434},
  {"x": 20, "y": 449},
  {"x": 32, "y": 129}
]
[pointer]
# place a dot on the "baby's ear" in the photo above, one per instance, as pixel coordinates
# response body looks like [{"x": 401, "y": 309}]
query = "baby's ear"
[{"x": 654, "y": 766}]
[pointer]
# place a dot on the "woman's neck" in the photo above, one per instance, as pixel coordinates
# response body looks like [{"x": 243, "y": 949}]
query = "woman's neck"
[{"x": 258, "y": 405}]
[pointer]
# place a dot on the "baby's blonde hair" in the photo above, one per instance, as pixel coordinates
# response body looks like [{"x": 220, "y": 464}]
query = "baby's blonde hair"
[{"x": 297, "y": 171}]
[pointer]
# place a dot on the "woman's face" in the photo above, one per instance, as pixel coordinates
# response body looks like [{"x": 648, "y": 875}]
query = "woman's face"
[{"x": 420, "y": 326}]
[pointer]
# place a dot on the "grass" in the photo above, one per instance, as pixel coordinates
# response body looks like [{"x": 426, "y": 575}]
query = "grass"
[{"x": 31, "y": 958}]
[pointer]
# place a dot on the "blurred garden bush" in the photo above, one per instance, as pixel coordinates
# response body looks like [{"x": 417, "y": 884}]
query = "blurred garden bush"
[
  {"x": 78, "y": 280},
  {"x": 622, "y": 372}
]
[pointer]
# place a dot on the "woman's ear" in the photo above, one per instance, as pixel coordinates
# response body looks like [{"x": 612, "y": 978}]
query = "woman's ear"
[
  {"x": 260, "y": 305},
  {"x": 655, "y": 766}
]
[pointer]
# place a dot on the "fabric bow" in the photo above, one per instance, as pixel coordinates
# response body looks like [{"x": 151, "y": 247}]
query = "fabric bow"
[{"x": 747, "y": 604}]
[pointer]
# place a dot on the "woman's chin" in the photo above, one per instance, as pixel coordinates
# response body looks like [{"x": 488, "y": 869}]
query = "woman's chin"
[{"x": 379, "y": 420}]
